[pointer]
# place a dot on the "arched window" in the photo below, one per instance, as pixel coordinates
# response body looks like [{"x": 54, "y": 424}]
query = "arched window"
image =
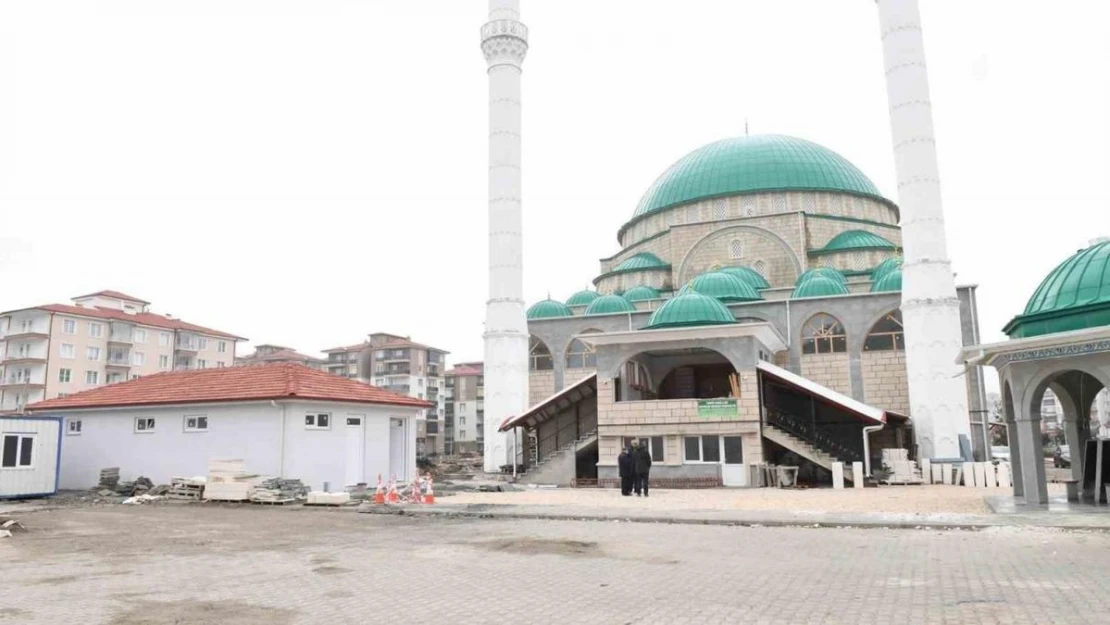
[
  {"x": 824, "y": 334},
  {"x": 735, "y": 249},
  {"x": 886, "y": 334},
  {"x": 539, "y": 356},
  {"x": 760, "y": 268},
  {"x": 581, "y": 356},
  {"x": 749, "y": 206},
  {"x": 720, "y": 209}
]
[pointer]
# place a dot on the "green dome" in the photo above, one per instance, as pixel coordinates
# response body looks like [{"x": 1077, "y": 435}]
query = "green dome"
[
  {"x": 751, "y": 164},
  {"x": 890, "y": 264},
  {"x": 643, "y": 260},
  {"x": 690, "y": 309},
  {"x": 749, "y": 275},
  {"x": 818, "y": 285},
  {"x": 582, "y": 298},
  {"x": 1075, "y": 296},
  {"x": 610, "y": 304},
  {"x": 548, "y": 309},
  {"x": 641, "y": 293},
  {"x": 891, "y": 280},
  {"x": 856, "y": 240},
  {"x": 723, "y": 286},
  {"x": 827, "y": 272}
]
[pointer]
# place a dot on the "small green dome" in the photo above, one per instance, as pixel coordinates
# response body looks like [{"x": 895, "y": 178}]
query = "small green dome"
[
  {"x": 690, "y": 309},
  {"x": 751, "y": 164},
  {"x": 610, "y": 304},
  {"x": 641, "y": 293},
  {"x": 1074, "y": 296},
  {"x": 818, "y": 285},
  {"x": 749, "y": 275},
  {"x": 887, "y": 265},
  {"x": 638, "y": 262},
  {"x": 582, "y": 298},
  {"x": 548, "y": 309},
  {"x": 890, "y": 281},
  {"x": 827, "y": 272},
  {"x": 723, "y": 286},
  {"x": 856, "y": 240}
]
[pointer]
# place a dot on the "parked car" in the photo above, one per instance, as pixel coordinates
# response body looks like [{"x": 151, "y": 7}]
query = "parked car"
[
  {"x": 1062, "y": 458},
  {"x": 1000, "y": 453}
]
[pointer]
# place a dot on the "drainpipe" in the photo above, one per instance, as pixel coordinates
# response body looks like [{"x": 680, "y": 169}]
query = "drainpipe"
[
  {"x": 281, "y": 441},
  {"x": 867, "y": 447},
  {"x": 789, "y": 332},
  {"x": 515, "y": 433}
]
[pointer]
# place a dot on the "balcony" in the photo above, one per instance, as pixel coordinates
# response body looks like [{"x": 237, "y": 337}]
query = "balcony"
[
  {"x": 119, "y": 358},
  {"x": 21, "y": 382},
  {"x": 23, "y": 359},
  {"x": 120, "y": 333},
  {"x": 187, "y": 343},
  {"x": 398, "y": 388},
  {"x": 26, "y": 335},
  {"x": 394, "y": 371}
]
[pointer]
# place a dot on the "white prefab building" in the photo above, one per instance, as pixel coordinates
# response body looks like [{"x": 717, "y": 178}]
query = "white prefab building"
[
  {"x": 281, "y": 420},
  {"x": 29, "y": 451}
]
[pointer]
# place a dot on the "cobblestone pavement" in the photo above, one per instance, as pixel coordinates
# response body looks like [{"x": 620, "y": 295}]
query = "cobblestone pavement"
[{"x": 194, "y": 564}]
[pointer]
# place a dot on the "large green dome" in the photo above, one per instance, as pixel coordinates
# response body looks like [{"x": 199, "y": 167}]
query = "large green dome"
[
  {"x": 723, "y": 286},
  {"x": 690, "y": 309},
  {"x": 609, "y": 304},
  {"x": 641, "y": 293},
  {"x": 548, "y": 309},
  {"x": 753, "y": 164},
  {"x": 1075, "y": 296},
  {"x": 818, "y": 285},
  {"x": 749, "y": 275},
  {"x": 582, "y": 298}
]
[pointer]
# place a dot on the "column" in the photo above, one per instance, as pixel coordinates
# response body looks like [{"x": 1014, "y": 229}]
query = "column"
[
  {"x": 1032, "y": 459},
  {"x": 1015, "y": 456}
]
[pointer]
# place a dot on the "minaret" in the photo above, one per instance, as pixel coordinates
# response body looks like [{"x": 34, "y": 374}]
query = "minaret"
[
  {"x": 504, "y": 44},
  {"x": 930, "y": 308}
]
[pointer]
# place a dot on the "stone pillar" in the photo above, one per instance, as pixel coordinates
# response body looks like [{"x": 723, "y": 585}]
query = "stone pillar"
[
  {"x": 1015, "y": 456},
  {"x": 504, "y": 44},
  {"x": 1032, "y": 460},
  {"x": 930, "y": 308}
]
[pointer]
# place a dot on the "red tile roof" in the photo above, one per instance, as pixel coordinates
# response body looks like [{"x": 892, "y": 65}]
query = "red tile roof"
[
  {"x": 283, "y": 354},
  {"x": 114, "y": 294},
  {"x": 230, "y": 384},
  {"x": 146, "y": 319},
  {"x": 466, "y": 368},
  {"x": 392, "y": 342}
]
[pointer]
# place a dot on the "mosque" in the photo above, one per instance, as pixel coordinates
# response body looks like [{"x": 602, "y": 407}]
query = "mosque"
[{"x": 752, "y": 315}]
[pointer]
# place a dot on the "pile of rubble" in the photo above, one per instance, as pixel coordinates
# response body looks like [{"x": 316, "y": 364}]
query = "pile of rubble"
[
  {"x": 278, "y": 490},
  {"x": 227, "y": 481}
]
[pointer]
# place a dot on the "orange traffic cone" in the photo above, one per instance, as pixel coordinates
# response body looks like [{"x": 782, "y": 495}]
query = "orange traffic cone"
[
  {"x": 392, "y": 495},
  {"x": 379, "y": 492},
  {"x": 429, "y": 494}
]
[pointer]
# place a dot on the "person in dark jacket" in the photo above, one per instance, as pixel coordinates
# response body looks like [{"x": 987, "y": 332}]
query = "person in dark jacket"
[
  {"x": 641, "y": 459},
  {"x": 627, "y": 468}
]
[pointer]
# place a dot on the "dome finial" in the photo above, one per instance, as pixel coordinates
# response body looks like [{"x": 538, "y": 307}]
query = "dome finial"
[{"x": 745, "y": 126}]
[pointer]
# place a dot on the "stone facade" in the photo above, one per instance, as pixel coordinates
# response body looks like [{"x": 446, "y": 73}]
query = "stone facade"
[
  {"x": 541, "y": 385},
  {"x": 884, "y": 380},
  {"x": 831, "y": 371}
]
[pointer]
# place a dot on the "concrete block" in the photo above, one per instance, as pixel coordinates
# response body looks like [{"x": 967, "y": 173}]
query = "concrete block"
[
  {"x": 927, "y": 471},
  {"x": 857, "y": 475},
  {"x": 838, "y": 475},
  {"x": 946, "y": 473},
  {"x": 982, "y": 478},
  {"x": 968, "y": 470},
  {"x": 1002, "y": 470}
]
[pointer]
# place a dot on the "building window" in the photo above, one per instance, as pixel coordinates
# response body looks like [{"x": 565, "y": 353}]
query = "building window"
[
  {"x": 65, "y": 375},
  {"x": 760, "y": 268},
  {"x": 165, "y": 339},
  {"x": 138, "y": 336},
  {"x": 92, "y": 353},
  {"x": 580, "y": 355},
  {"x": 720, "y": 209},
  {"x": 539, "y": 356},
  {"x": 202, "y": 343},
  {"x": 702, "y": 449},
  {"x": 73, "y": 427},
  {"x": 144, "y": 424},
  {"x": 115, "y": 378},
  {"x": 824, "y": 334},
  {"x": 462, "y": 433},
  {"x": 317, "y": 421},
  {"x": 196, "y": 423},
  {"x": 67, "y": 350},
  {"x": 92, "y": 377},
  {"x": 135, "y": 376},
  {"x": 221, "y": 347},
  {"x": 202, "y": 363},
  {"x": 462, "y": 408},
  {"x": 96, "y": 330},
  {"x": 654, "y": 445},
  {"x": 735, "y": 249},
  {"x": 886, "y": 335},
  {"x": 220, "y": 364},
  {"x": 138, "y": 359},
  {"x": 19, "y": 450},
  {"x": 163, "y": 362},
  {"x": 462, "y": 420},
  {"x": 69, "y": 326}
]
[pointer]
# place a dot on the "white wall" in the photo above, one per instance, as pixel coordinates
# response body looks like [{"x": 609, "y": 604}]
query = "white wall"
[
  {"x": 39, "y": 478},
  {"x": 251, "y": 432}
]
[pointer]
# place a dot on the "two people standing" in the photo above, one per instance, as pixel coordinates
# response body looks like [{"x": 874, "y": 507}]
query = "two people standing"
[{"x": 634, "y": 465}]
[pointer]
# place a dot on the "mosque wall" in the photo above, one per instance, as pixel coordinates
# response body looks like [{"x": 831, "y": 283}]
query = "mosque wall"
[
  {"x": 856, "y": 260},
  {"x": 541, "y": 385},
  {"x": 829, "y": 370},
  {"x": 820, "y": 230},
  {"x": 885, "y": 384}
]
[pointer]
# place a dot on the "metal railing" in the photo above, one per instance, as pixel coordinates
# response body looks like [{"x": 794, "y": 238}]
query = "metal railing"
[{"x": 843, "y": 441}]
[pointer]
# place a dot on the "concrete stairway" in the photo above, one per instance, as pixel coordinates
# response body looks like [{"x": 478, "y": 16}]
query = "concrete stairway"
[
  {"x": 803, "y": 449},
  {"x": 561, "y": 466}
]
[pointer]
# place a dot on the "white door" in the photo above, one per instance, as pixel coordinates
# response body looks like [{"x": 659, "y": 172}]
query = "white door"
[
  {"x": 733, "y": 472},
  {"x": 356, "y": 449},
  {"x": 398, "y": 449}
]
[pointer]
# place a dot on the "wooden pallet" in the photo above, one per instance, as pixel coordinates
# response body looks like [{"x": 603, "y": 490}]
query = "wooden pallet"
[
  {"x": 214, "y": 500},
  {"x": 274, "y": 502},
  {"x": 328, "y": 505}
]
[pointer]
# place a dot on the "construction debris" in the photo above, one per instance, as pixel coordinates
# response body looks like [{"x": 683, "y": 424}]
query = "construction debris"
[
  {"x": 138, "y": 487},
  {"x": 109, "y": 478},
  {"x": 227, "y": 481},
  {"x": 320, "y": 498},
  {"x": 899, "y": 468},
  {"x": 190, "y": 488},
  {"x": 278, "y": 490},
  {"x": 11, "y": 525},
  {"x": 140, "y": 499}
]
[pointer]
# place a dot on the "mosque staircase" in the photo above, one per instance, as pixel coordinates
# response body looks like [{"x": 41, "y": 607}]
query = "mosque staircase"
[
  {"x": 821, "y": 446},
  {"x": 559, "y": 466},
  {"x": 784, "y": 439}
]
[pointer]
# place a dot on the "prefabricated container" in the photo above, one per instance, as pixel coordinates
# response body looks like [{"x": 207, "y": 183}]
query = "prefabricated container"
[{"x": 30, "y": 454}]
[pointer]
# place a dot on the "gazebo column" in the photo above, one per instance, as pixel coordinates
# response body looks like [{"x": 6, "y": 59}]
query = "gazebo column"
[
  {"x": 1032, "y": 455},
  {"x": 1015, "y": 455},
  {"x": 1075, "y": 431}
]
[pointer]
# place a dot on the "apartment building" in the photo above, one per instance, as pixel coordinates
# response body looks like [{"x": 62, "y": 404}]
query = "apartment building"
[
  {"x": 397, "y": 363},
  {"x": 268, "y": 354},
  {"x": 464, "y": 411},
  {"x": 101, "y": 338}
]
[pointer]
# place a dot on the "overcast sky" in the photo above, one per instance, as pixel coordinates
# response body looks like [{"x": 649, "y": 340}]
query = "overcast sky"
[{"x": 306, "y": 172}]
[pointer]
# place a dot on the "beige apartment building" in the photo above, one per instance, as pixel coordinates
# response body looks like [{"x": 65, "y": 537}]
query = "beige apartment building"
[
  {"x": 268, "y": 354},
  {"x": 101, "y": 338},
  {"x": 464, "y": 409},
  {"x": 396, "y": 363}
]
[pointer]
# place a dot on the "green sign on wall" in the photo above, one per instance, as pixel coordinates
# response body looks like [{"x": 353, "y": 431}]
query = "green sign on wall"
[{"x": 717, "y": 408}]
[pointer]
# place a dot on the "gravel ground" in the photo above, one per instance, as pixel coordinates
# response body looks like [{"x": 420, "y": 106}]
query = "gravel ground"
[{"x": 893, "y": 499}]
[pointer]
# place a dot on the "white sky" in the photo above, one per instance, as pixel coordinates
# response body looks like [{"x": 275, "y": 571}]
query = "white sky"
[{"x": 306, "y": 172}]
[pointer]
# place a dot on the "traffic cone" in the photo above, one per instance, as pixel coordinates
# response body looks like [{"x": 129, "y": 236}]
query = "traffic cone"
[
  {"x": 379, "y": 492},
  {"x": 429, "y": 494},
  {"x": 392, "y": 495}
]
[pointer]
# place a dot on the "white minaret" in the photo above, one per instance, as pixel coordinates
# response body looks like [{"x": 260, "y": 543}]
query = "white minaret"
[
  {"x": 504, "y": 44},
  {"x": 930, "y": 308}
]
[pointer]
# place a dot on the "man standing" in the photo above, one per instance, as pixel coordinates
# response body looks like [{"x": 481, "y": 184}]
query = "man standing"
[
  {"x": 627, "y": 469},
  {"x": 641, "y": 459}
]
